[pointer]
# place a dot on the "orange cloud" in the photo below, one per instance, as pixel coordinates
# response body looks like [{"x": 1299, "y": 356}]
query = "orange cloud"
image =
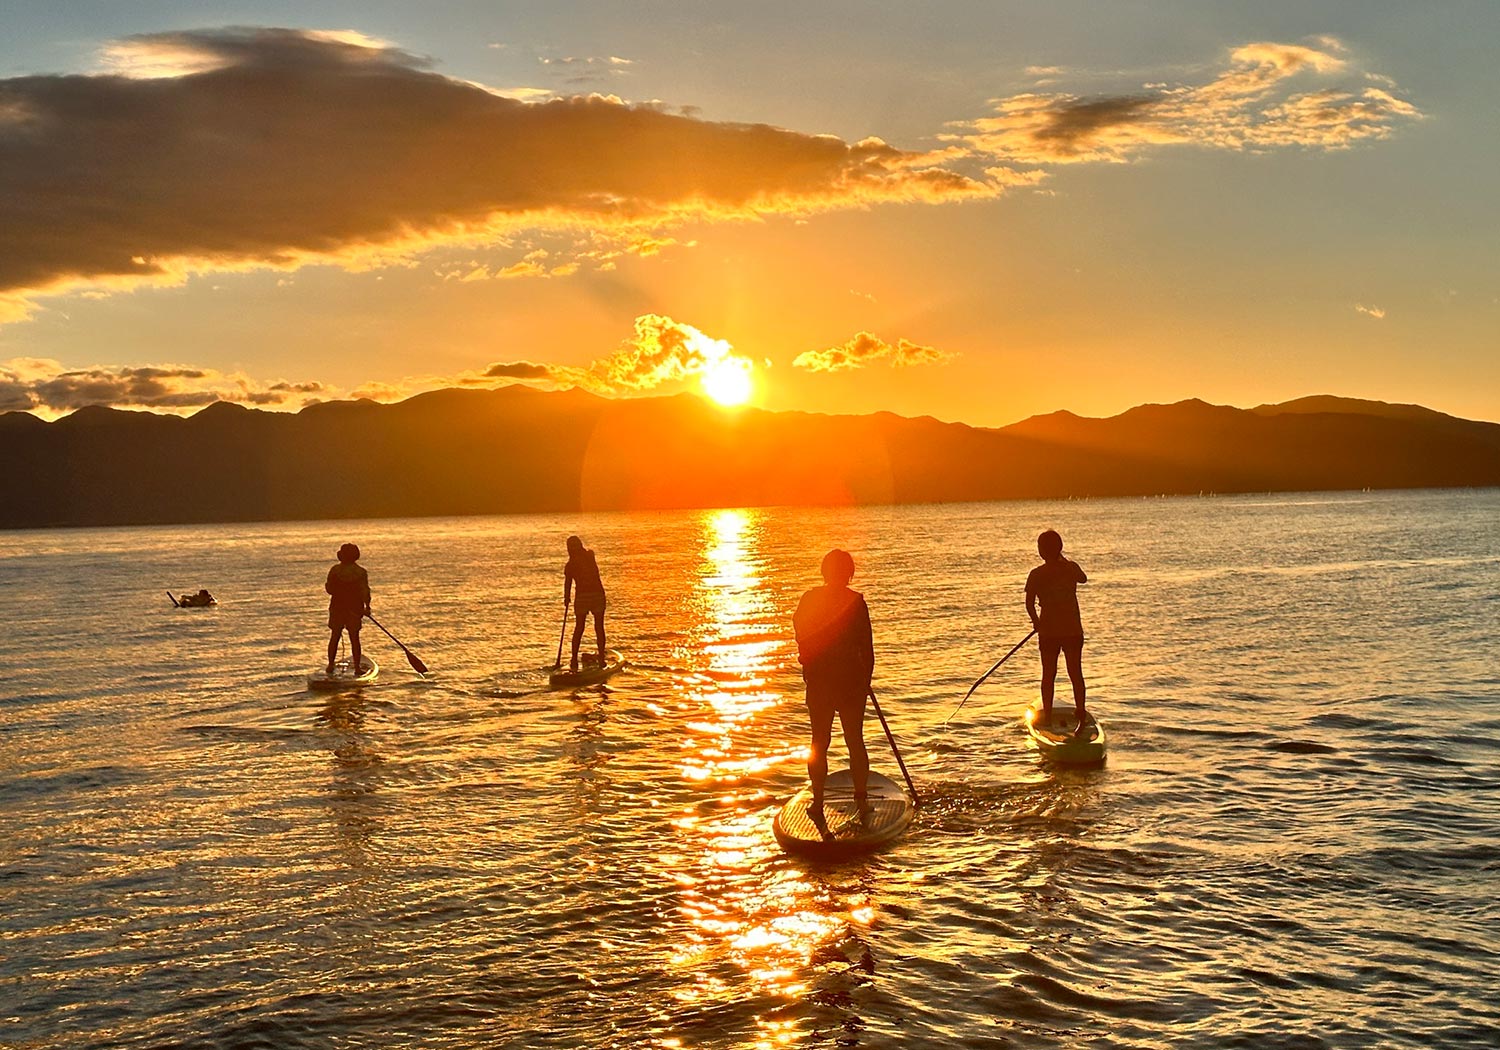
[
  {"x": 237, "y": 148},
  {"x": 1258, "y": 102},
  {"x": 865, "y": 349},
  {"x": 44, "y": 386},
  {"x": 662, "y": 352}
]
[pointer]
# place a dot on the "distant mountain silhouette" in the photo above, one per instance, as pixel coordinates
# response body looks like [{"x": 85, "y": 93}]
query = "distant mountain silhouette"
[{"x": 517, "y": 450}]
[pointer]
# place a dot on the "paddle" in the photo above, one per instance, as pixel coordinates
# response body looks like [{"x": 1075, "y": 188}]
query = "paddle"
[
  {"x": 411, "y": 658},
  {"x": 915, "y": 801},
  {"x": 560, "y": 635},
  {"x": 986, "y": 674},
  {"x": 175, "y": 603}
]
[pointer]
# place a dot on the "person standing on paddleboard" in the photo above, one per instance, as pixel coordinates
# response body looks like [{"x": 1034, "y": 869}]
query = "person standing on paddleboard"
[
  {"x": 583, "y": 570},
  {"x": 1059, "y": 626},
  {"x": 348, "y": 588},
  {"x": 837, "y": 651}
]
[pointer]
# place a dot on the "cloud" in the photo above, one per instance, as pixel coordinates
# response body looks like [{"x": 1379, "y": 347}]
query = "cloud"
[
  {"x": 662, "y": 351},
  {"x": 865, "y": 349},
  {"x": 47, "y": 387},
  {"x": 518, "y": 370},
  {"x": 592, "y": 69},
  {"x": 1270, "y": 95},
  {"x": 239, "y": 148},
  {"x": 607, "y": 61},
  {"x": 1377, "y": 312}
]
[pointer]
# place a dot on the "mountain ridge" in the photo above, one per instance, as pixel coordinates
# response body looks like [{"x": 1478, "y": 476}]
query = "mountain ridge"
[{"x": 515, "y": 449}]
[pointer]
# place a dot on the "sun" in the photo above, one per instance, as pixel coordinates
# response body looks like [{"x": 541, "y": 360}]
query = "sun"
[{"x": 727, "y": 381}]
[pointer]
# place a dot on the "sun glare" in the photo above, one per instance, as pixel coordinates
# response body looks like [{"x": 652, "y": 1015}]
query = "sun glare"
[{"x": 727, "y": 381}]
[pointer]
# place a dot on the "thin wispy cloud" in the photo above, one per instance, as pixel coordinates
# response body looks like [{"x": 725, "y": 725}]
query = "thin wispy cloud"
[
  {"x": 583, "y": 71},
  {"x": 864, "y": 349},
  {"x": 243, "y": 148},
  {"x": 1271, "y": 95},
  {"x": 1377, "y": 312}
]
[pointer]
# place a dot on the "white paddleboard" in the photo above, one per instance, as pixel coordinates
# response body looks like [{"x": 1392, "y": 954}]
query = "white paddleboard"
[
  {"x": 1055, "y": 737},
  {"x": 590, "y": 670},
  {"x": 846, "y": 830},
  {"x": 344, "y": 676}
]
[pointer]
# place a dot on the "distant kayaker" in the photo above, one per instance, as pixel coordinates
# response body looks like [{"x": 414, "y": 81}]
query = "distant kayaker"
[
  {"x": 837, "y": 652},
  {"x": 1059, "y": 626},
  {"x": 348, "y": 587},
  {"x": 582, "y": 571}
]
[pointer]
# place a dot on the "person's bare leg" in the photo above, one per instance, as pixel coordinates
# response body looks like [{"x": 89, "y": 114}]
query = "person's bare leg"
[
  {"x": 333, "y": 647},
  {"x": 853, "y": 721},
  {"x": 817, "y": 753},
  {"x": 1049, "y": 679},
  {"x": 1074, "y": 654},
  {"x": 599, "y": 634},
  {"x": 578, "y": 625},
  {"x": 355, "y": 655}
]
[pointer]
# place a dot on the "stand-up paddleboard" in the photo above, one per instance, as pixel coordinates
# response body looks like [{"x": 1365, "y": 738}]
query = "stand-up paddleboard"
[
  {"x": 590, "y": 670},
  {"x": 1057, "y": 741},
  {"x": 845, "y": 831},
  {"x": 344, "y": 676}
]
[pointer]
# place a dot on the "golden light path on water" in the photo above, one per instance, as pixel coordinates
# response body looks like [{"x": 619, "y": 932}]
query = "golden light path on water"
[{"x": 765, "y": 919}]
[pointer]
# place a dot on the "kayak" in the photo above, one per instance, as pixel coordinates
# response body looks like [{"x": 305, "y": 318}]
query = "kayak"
[
  {"x": 1056, "y": 740},
  {"x": 590, "y": 671},
  {"x": 193, "y": 601},
  {"x": 845, "y": 831},
  {"x": 343, "y": 676}
]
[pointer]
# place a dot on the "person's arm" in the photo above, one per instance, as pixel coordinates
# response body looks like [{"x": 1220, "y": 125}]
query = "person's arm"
[
  {"x": 1036, "y": 622},
  {"x": 328, "y": 583},
  {"x": 365, "y": 580},
  {"x": 1078, "y": 572},
  {"x": 867, "y": 640}
]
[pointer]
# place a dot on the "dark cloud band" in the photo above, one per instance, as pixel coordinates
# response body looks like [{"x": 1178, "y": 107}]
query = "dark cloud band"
[{"x": 278, "y": 146}]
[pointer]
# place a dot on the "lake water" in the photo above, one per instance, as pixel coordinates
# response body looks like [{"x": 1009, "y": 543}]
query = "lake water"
[{"x": 1295, "y": 841}]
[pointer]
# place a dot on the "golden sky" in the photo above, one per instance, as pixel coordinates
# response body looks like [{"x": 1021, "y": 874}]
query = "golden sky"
[{"x": 986, "y": 213}]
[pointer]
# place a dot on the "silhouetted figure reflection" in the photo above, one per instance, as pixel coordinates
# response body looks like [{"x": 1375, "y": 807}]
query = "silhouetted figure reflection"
[
  {"x": 348, "y": 587},
  {"x": 837, "y": 652},
  {"x": 582, "y": 571},
  {"x": 1059, "y": 627}
]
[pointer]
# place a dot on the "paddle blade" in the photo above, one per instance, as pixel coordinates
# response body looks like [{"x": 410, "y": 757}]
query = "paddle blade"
[{"x": 416, "y": 664}]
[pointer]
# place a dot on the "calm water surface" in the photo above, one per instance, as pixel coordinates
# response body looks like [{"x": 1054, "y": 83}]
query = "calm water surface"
[{"x": 1295, "y": 841}]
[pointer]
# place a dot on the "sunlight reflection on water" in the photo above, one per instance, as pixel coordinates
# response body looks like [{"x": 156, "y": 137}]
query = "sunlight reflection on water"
[{"x": 768, "y": 927}]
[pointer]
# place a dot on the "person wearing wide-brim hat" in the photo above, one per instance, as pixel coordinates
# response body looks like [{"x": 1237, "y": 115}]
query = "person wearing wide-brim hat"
[{"x": 348, "y": 587}]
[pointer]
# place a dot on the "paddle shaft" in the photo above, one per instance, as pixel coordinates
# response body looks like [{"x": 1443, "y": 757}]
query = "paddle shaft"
[
  {"x": 915, "y": 801},
  {"x": 561, "y": 634},
  {"x": 986, "y": 674},
  {"x": 416, "y": 665},
  {"x": 175, "y": 603}
]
